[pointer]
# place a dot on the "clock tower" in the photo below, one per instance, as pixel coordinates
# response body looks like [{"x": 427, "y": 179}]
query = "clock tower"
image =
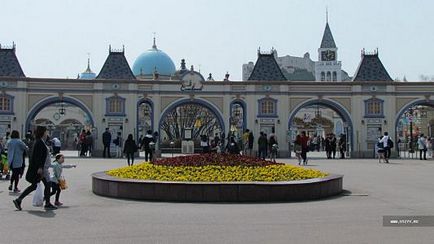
[{"x": 328, "y": 68}]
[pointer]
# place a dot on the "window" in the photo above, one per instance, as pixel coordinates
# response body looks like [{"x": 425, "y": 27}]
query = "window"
[
  {"x": 115, "y": 105},
  {"x": 374, "y": 107},
  {"x": 6, "y": 103},
  {"x": 329, "y": 76},
  {"x": 322, "y": 76},
  {"x": 267, "y": 107},
  {"x": 334, "y": 76}
]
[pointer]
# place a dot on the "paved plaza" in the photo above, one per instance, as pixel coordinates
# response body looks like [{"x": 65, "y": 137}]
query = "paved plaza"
[{"x": 403, "y": 187}]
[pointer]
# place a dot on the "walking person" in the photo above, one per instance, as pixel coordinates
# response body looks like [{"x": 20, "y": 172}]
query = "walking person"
[
  {"x": 147, "y": 139},
  {"x": 118, "y": 142},
  {"x": 130, "y": 148},
  {"x": 262, "y": 145},
  {"x": 304, "y": 147},
  {"x": 421, "y": 142},
  {"x": 333, "y": 145},
  {"x": 271, "y": 142},
  {"x": 83, "y": 145},
  {"x": 38, "y": 169},
  {"x": 297, "y": 148},
  {"x": 16, "y": 150},
  {"x": 251, "y": 140},
  {"x": 328, "y": 148},
  {"x": 56, "y": 177},
  {"x": 246, "y": 141},
  {"x": 89, "y": 143},
  {"x": 106, "y": 140},
  {"x": 386, "y": 145},
  {"x": 342, "y": 145}
]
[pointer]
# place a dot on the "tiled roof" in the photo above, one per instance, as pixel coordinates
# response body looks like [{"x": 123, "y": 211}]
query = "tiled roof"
[
  {"x": 266, "y": 68},
  {"x": 116, "y": 67},
  {"x": 327, "y": 38},
  {"x": 371, "y": 69},
  {"x": 9, "y": 64}
]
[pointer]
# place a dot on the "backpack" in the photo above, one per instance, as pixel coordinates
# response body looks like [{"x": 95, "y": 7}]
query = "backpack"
[{"x": 389, "y": 143}]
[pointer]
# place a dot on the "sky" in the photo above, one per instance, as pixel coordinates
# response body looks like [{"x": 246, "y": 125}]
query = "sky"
[{"x": 53, "y": 38}]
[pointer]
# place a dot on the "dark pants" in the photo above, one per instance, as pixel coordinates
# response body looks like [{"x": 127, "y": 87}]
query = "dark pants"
[
  {"x": 387, "y": 152},
  {"x": 106, "y": 149},
  {"x": 130, "y": 156},
  {"x": 32, "y": 187},
  {"x": 83, "y": 149},
  {"x": 424, "y": 153},
  {"x": 148, "y": 152},
  {"x": 263, "y": 153},
  {"x": 56, "y": 190},
  {"x": 342, "y": 153},
  {"x": 304, "y": 154},
  {"x": 16, "y": 172}
]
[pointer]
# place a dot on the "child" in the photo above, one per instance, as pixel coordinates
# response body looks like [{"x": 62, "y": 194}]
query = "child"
[
  {"x": 273, "y": 154},
  {"x": 57, "y": 166}
]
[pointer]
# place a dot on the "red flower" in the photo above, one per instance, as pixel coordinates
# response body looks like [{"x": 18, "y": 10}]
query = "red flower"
[{"x": 221, "y": 159}]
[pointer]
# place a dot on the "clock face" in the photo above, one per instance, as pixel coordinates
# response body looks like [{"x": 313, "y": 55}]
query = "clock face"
[{"x": 328, "y": 55}]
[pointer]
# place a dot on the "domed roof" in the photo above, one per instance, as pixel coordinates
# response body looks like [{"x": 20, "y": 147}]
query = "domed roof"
[
  {"x": 88, "y": 74},
  {"x": 151, "y": 60}
]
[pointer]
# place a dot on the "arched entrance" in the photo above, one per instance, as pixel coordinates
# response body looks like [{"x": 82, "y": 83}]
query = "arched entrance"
[
  {"x": 320, "y": 117},
  {"x": 64, "y": 118},
  {"x": 145, "y": 116},
  {"x": 413, "y": 120},
  {"x": 196, "y": 115}
]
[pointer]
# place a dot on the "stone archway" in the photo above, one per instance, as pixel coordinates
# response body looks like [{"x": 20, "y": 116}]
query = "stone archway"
[
  {"x": 53, "y": 100},
  {"x": 339, "y": 109},
  {"x": 200, "y": 115}
]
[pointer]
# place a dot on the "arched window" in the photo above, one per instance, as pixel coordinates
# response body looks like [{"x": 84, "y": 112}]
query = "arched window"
[
  {"x": 374, "y": 107},
  {"x": 329, "y": 76},
  {"x": 322, "y": 76},
  {"x": 335, "y": 78},
  {"x": 115, "y": 106},
  {"x": 6, "y": 104},
  {"x": 267, "y": 107}
]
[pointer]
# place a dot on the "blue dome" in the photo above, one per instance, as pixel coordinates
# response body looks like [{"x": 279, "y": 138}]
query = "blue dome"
[
  {"x": 153, "y": 59},
  {"x": 87, "y": 76}
]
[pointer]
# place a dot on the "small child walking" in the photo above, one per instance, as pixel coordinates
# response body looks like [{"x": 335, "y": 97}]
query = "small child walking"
[
  {"x": 56, "y": 176},
  {"x": 273, "y": 154}
]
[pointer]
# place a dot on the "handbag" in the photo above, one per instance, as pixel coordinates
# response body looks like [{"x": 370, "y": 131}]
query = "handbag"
[
  {"x": 62, "y": 184},
  {"x": 38, "y": 198}
]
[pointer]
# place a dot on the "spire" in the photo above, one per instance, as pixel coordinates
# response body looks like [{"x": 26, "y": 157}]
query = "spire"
[
  {"x": 154, "y": 46},
  {"x": 327, "y": 38},
  {"x": 88, "y": 70},
  {"x": 327, "y": 14}
]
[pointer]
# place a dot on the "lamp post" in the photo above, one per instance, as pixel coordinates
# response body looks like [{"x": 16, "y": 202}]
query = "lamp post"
[
  {"x": 172, "y": 145},
  {"x": 410, "y": 113}
]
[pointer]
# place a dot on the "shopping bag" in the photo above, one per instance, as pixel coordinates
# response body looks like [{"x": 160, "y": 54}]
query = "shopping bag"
[
  {"x": 62, "y": 184},
  {"x": 38, "y": 198}
]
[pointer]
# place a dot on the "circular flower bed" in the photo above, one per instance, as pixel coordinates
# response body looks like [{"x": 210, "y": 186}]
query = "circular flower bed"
[{"x": 215, "y": 168}]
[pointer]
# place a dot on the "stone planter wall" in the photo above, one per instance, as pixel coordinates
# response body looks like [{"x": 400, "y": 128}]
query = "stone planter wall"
[{"x": 105, "y": 185}]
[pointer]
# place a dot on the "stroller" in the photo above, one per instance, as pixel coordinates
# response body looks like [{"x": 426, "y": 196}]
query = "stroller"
[{"x": 4, "y": 166}]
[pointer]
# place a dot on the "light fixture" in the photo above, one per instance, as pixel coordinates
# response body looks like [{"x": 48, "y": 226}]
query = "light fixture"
[
  {"x": 278, "y": 121},
  {"x": 363, "y": 121},
  {"x": 126, "y": 120},
  {"x": 62, "y": 109},
  {"x": 103, "y": 120},
  {"x": 385, "y": 122}
]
